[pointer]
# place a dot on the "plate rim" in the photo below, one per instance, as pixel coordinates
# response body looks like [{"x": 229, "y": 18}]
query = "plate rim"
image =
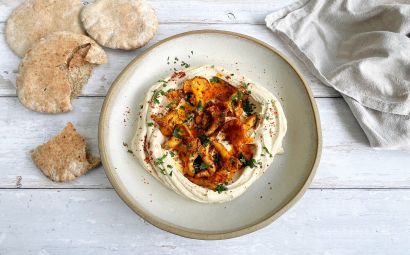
[{"x": 156, "y": 221}]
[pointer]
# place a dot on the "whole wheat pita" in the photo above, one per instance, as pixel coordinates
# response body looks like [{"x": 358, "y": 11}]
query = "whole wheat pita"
[
  {"x": 34, "y": 19},
  {"x": 65, "y": 156},
  {"x": 54, "y": 71},
  {"x": 120, "y": 24}
]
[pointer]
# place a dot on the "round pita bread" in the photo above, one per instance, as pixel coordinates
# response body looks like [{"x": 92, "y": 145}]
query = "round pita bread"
[
  {"x": 65, "y": 156},
  {"x": 120, "y": 24},
  {"x": 55, "y": 69},
  {"x": 34, "y": 19}
]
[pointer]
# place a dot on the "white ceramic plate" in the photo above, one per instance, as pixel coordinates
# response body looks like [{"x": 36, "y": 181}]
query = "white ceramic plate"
[{"x": 284, "y": 182}]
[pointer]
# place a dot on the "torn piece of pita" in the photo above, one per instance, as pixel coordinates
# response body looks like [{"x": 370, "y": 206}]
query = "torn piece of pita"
[
  {"x": 65, "y": 156},
  {"x": 34, "y": 19},
  {"x": 54, "y": 71},
  {"x": 120, "y": 24}
]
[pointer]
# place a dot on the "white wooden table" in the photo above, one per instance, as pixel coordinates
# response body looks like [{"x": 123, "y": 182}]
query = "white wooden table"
[{"x": 358, "y": 203}]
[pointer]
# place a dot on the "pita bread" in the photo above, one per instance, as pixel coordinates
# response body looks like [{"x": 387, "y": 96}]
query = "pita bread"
[
  {"x": 65, "y": 156},
  {"x": 55, "y": 70},
  {"x": 120, "y": 24},
  {"x": 34, "y": 19}
]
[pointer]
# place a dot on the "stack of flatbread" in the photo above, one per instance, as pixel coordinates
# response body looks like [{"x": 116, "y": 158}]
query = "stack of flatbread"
[{"x": 59, "y": 42}]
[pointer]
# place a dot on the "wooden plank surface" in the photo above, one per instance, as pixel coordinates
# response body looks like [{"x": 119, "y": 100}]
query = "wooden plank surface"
[
  {"x": 98, "y": 222},
  {"x": 196, "y": 11},
  {"x": 347, "y": 161}
]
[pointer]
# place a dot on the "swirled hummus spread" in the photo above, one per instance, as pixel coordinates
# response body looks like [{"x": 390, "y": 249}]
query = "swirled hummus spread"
[{"x": 208, "y": 133}]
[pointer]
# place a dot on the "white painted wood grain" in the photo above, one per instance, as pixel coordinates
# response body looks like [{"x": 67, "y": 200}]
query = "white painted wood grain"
[
  {"x": 198, "y": 11},
  {"x": 98, "y": 222},
  {"x": 347, "y": 161}
]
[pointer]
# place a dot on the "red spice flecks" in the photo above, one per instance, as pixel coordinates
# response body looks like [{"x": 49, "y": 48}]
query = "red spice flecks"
[
  {"x": 177, "y": 75},
  {"x": 147, "y": 159}
]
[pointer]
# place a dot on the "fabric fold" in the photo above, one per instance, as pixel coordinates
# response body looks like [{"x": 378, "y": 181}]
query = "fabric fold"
[{"x": 361, "y": 49}]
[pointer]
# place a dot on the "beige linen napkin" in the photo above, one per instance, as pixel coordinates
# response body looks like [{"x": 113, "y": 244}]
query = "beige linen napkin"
[{"x": 362, "y": 49}]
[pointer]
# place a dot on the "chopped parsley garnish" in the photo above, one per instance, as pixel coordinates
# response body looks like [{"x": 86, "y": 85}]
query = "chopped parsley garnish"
[
  {"x": 170, "y": 173},
  {"x": 197, "y": 164},
  {"x": 156, "y": 95},
  {"x": 170, "y": 105},
  {"x": 177, "y": 133},
  {"x": 192, "y": 52},
  {"x": 251, "y": 163},
  {"x": 266, "y": 149},
  {"x": 220, "y": 187},
  {"x": 248, "y": 107},
  {"x": 182, "y": 107},
  {"x": 189, "y": 118},
  {"x": 203, "y": 166},
  {"x": 188, "y": 99},
  {"x": 129, "y": 151},
  {"x": 204, "y": 139},
  {"x": 237, "y": 97},
  {"x": 169, "y": 166},
  {"x": 162, "y": 81},
  {"x": 176, "y": 59},
  {"x": 172, "y": 153},
  {"x": 159, "y": 162},
  {"x": 216, "y": 158},
  {"x": 150, "y": 124},
  {"x": 214, "y": 80},
  {"x": 184, "y": 64},
  {"x": 200, "y": 107}
]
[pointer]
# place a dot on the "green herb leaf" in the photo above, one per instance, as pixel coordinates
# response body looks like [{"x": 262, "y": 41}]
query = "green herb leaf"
[
  {"x": 266, "y": 149},
  {"x": 170, "y": 105},
  {"x": 160, "y": 161},
  {"x": 150, "y": 124},
  {"x": 236, "y": 97},
  {"x": 220, "y": 187},
  {"x": 251, "y": 163},
  {"x": 204, "y": 139},
  {"x": 184, "y": 64},
  {"x": 214, "y": 80},
  {"x": 156, "y": 95},
  {"x": 177, "y": 133},
  {"x": 189, "y": 118},
  {"x": 203, "y": 166},
  {"x": 172, "y": 153},
  {"x": 216, "y": 158},
  {"x": 200, "y": 107},
  {"x": 248, "y": 107}
]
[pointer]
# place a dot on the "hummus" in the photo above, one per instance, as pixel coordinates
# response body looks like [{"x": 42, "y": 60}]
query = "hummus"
[{"x": 208, "y": 133}]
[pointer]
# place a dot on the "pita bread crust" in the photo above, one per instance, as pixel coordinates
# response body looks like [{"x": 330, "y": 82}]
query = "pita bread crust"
[
  {"x": 120, "y": 24},
  {"x": 65, "y": 156},
  {"x": 34, "y": 19},
  {"x": 55, "y": 70}
]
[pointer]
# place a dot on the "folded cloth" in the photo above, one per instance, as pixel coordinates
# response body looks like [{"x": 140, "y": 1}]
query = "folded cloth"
[{"x": 361, "y": 49}]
